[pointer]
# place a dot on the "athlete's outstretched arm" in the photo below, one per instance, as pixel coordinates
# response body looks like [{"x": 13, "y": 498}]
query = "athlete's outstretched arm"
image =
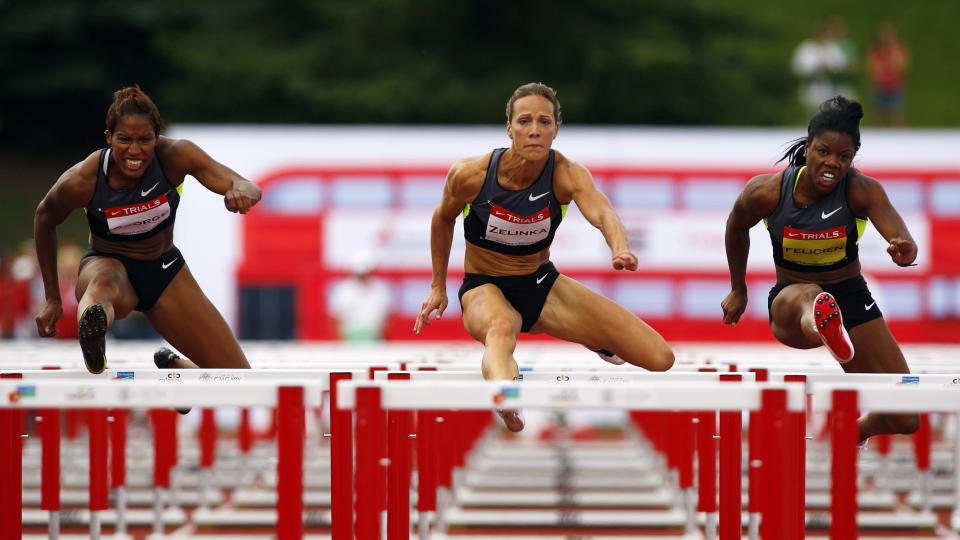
[
  {"x": 596, "y": 208},
  {"x": 868, "y": 198},
  {"x": 239, "y": 194},
  {"x": 456, "y": 194},
  {"x": 72, "y": 190},
  {"x": 757, "y": 200}
]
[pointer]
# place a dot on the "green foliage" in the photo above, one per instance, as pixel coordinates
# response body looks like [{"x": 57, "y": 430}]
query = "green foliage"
[
  {"x": 385, "y": 61},
  {"x": 679, "y": 62},
  {"x": 682, "y": 62}
]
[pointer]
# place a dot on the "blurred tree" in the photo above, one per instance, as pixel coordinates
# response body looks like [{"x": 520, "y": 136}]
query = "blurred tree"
[
  {"x": 432, "y": 61},
  {"x": 61, "y": 60}
]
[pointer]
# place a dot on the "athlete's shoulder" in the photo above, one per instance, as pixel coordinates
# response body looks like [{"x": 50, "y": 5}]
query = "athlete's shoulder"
[
  {"x": 764, "y": 185},
  {"x": 173, "y": 149},
  {"x": 84, "y": 172},
  {"x": 76, "y": 185},
  {"x": 469, "y": 168},
  {"x": 566, "y": 167},
  {"x": 864, "y": 192},
  {"x": 857, "y": 179},
  {"x": 761, "y": 195}
]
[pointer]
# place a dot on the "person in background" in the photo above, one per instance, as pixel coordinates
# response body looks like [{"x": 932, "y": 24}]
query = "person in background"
[
  {"x": 846, "y": 74},
  {"x": 815, "y": 211},
  {"x": 7, "y": 316},
  {"x": 888, "y": 60},
  {"x": 26, "y": 288},
  {"x": 818, "y": 63},
  {"x": 360, "y": 303},
  {"x": 68, "y": 267},
  {"x": 130, "y": 192},
  {"x": 513, "y": 199}
]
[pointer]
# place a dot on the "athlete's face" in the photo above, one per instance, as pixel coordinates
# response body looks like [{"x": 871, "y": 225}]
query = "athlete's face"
[
  {"x": 829, "y": 157},
  {"x": 134, "y": 141},
  {"x": 533, "y": 127}
]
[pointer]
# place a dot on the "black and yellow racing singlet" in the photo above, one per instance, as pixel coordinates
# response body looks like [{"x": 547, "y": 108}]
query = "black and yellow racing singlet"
[
  {"x": 822, "y": 236},
  {"x": 512, "y": 222}
]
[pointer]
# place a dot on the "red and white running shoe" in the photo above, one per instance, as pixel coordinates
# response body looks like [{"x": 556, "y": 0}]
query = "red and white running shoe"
[{"x": 826, "y": 314}]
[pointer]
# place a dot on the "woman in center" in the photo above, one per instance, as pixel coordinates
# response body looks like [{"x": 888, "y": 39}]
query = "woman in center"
[{"x": 513, "y": 199}]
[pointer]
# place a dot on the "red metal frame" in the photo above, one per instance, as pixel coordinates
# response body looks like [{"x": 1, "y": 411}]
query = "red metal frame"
[
  {"x": 341, "y": 464},
  {"x": 843, "y": 469},
  {"x": 291, "y": 431},
  {"x": 731, "y": 467}
]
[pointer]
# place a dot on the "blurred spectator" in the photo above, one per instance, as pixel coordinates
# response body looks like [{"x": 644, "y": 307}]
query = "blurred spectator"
[
  {"x": 25, "y": 291},
  {"x": 6, "y": 297},
  {"x": 360, "y": 303},
  {"x": 888, "y": 60},
  {"x": 820, "y": 63},
  {"x": 846, "y": 75},
  {"x": 68, "y": 264}
]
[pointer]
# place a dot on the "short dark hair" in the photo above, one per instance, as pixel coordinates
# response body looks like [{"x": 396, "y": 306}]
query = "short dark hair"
[
  {"x": 535, "y": 89},
  {"x": 836, "y": 114},
  {"x": 133, "y": 100}
]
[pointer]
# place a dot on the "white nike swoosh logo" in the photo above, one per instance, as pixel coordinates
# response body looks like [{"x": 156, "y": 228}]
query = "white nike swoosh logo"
[
  {"x": 144, "y": 193},
  {"x": 868, "y": 307},
  {"x": 167, "y": 265},
  {"x": 532, "y": 198},
  {"x": 543, "y": 277},
  {"x": 825, "y": 215}
]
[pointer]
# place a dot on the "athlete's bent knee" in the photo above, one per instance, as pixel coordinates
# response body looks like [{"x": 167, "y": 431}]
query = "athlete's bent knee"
[
  {"x": 661, "y": 360},
  {"x": 500, "y": 328}
]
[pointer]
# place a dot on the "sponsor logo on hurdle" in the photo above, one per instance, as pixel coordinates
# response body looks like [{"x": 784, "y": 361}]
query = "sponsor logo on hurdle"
[
  {"x": 171, "y": 376},
  {"x": 222, "y": 377},
  {"x": 909, "y": 379},
  {"x": 567, "y": 395},
  {"x": 24, "y": 391},
  {"x": 509, "y": 392},
  {"x": 82, "y": 393},
  {"x": 124, "y": 375}
]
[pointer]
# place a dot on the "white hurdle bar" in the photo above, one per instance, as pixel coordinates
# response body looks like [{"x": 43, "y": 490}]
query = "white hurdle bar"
[
  {"x": 702, "y": 498},
  {"x": 50, "y": 393},
  {"x": 164, "y": 423},
  {"x": 779, "y": 404},
  {"x": 844, "y": 401},
  {"x": 377, "y": 445}
]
